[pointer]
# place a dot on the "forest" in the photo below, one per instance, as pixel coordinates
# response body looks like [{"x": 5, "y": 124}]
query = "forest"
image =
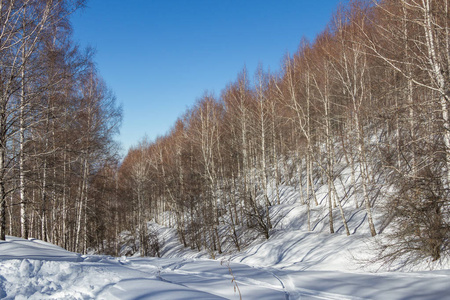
[
  {"x": 58, "y": 120},
  {"x": 370, "y": 94}
]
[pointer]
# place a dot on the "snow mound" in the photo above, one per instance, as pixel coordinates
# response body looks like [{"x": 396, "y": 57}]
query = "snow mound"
[{"x": 18, "y": 248}]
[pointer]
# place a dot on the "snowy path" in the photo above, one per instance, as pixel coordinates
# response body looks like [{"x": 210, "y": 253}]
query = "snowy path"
[
  {"x": 210, "y": 278},
  {"x": 36, "y": 270}
]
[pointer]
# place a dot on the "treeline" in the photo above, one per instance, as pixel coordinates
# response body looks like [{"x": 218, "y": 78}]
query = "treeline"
[
  {"x": 369, "y": 97},
  {"x": 57, "y": 123},
  {"x": 371, "y": 93}
]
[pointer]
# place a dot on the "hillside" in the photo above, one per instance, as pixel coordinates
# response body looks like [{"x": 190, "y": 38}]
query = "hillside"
[
  {"x": 291, "y": 245},
  {"x": 292, "y": 264}
]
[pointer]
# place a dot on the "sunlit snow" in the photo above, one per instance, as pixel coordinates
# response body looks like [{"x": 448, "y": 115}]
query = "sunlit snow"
[{"x": 291, "y": 265}]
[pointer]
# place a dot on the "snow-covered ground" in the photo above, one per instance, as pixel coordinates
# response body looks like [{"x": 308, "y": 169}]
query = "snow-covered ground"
[{"x": 291, "y": 265}]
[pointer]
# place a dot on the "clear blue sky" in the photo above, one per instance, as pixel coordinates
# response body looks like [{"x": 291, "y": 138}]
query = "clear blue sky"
[{"x": 159, "y": 56}]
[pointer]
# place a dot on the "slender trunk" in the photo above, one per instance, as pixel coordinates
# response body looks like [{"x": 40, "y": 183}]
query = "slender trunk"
[
  {"x": 311, "y": 181},
  {"x": 2, "y": 181},
  {"x": 329, "y": 168},
  {"x": 439, "y": 73},
  {"x": 23, "y": 202},
  {"x": 300, "y": 177},
  {"x": 365, "y": 178},
  {"x": 275, "y": 156},
  {"x": 44, "y": 202},
  {"x": 409, "y": 89},
  {"x": 81, "y": 204},
  {"x": 64, "y": 203},
  {"x": 10, "y": 214},
  {"x": 341, "y": 210}
]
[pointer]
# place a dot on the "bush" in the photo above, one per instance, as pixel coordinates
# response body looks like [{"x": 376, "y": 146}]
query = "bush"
[{"x": 420, "y": 220}]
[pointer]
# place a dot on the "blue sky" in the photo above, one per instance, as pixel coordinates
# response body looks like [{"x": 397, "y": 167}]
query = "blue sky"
[{"x": 160, "y": 56}]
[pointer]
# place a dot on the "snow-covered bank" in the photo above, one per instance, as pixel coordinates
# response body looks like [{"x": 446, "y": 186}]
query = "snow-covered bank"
[{"x": 17, "y": 248}]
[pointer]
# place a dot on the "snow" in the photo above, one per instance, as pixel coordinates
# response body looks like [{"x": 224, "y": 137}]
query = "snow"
[
  {"x": 22, "y": 276},
  {"x": 17, "y": 248},
  {"x": 291, "y": 265}
]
